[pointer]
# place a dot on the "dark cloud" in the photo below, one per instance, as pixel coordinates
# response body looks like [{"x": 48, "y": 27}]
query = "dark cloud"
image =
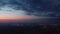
[
  {"x": 49, "y": 8},
  {"x": 46, "y": 7}
]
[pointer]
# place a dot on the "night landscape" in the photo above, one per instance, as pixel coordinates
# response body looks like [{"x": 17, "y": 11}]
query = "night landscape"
[{"x": 29, "y": 16}]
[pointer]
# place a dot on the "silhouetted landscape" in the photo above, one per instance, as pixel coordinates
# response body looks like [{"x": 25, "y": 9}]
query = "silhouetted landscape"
[
  {"x": 29, "y": 16},
  {"x": 31, "y": 27}
]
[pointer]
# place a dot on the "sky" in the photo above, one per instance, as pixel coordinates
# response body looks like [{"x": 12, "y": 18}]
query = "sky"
[
  {"x": 29, "y": 9},
  {"x": 7, "y": 12}
]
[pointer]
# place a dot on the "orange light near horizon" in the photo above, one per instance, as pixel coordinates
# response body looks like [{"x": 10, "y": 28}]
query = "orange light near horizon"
[{"x": 15, "y": 18}]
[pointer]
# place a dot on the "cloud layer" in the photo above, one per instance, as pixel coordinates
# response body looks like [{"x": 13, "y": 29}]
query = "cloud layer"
[{"x": 49, "y": 8}]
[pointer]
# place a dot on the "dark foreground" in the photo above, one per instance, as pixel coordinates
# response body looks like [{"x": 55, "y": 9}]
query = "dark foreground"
[
  {"x": 41, "y": 26},
  {"x": 30, "y": 29}
]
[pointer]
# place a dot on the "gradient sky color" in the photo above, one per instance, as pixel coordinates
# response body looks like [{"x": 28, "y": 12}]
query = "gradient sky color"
[
  {"x": 11, "y": 10},
  {"x": 8, "y": 13}
]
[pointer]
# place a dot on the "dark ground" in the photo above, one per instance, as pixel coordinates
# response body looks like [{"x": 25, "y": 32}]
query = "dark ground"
[
  {"x": 30, "y": 29},
  {"x": 44, "y": 26}
]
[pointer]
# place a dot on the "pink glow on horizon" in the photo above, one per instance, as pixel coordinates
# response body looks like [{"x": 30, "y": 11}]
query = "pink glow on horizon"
[{"x": 16, "y": 19}]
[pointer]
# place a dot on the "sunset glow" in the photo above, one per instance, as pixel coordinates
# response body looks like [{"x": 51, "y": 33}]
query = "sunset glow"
[
  {"x": 8, "y": 14},
  {"x": 15, "y": 18}
]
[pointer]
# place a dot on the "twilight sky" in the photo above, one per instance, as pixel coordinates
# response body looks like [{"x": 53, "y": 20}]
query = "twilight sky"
[
  {"x": 29, "y": 9},
  {"x": 7, "y": 12},
  {"x": 14, "y": 9},
  {"x": 49, "y": 8}
]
